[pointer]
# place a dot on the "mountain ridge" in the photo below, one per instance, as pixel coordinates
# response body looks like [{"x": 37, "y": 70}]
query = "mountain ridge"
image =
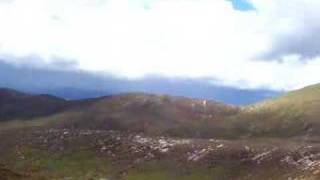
[{"x": 293, "y": 114}]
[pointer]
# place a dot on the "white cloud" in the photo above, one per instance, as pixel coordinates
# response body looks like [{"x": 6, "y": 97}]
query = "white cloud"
[{"x": 190, "y": 38}]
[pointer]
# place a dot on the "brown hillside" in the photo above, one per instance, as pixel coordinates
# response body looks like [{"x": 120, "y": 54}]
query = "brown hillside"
[{"x": 151, "y": 114}]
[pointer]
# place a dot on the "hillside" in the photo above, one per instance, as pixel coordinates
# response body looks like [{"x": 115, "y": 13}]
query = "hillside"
[
  {"x": 294, "y": 114},
  {"x": 150, "y": 114},
  {"x": 18, "y": 105},
  {"x": 133, "y": 112}
]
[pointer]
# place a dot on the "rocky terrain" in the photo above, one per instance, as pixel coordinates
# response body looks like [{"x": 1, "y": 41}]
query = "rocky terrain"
[{"x": 40, "y": 153}]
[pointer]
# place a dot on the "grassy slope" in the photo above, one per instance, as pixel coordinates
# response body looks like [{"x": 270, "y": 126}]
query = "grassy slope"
[
  {"x": 151, "y": 114},
  {"x": 296, "y": 113}
]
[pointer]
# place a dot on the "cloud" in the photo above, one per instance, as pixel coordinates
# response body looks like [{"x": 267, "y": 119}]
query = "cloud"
[
  {"x": 293, "y": 28},
  {"x": 176, "y": 38},
  {"x": 34, "y": 61},
  {"x": 80, "y": 84}
]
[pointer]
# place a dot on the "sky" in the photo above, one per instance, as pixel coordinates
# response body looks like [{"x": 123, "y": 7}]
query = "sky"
[
  {"x": 270, "y": 44},
  {"x": 242, "y": 5}
]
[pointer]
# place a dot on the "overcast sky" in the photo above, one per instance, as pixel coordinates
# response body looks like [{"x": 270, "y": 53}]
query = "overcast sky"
[{"x": 275, "y": 44}]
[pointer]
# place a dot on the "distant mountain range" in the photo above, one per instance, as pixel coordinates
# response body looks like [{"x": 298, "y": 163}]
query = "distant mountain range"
[{"x": 81, "y": 85}]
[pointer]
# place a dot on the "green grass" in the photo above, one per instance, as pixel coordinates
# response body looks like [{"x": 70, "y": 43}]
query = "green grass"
[
  {"x": 20, "y": 124},
  {"x": 83, "y": 165},
  {"x": 77, "y": 165},
  {"x": 290, "y": 115},
  {"x": 172, "y": 170}
]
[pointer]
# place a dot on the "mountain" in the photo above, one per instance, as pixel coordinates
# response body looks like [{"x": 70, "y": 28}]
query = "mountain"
[
  {"x": 18, "y": 105},
  {"x": 150, "y": 114},
  {"x": 132, "y": 112}
]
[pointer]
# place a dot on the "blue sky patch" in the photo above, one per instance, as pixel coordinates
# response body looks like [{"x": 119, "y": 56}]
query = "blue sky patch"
[{"x": 242, "y": 5}]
